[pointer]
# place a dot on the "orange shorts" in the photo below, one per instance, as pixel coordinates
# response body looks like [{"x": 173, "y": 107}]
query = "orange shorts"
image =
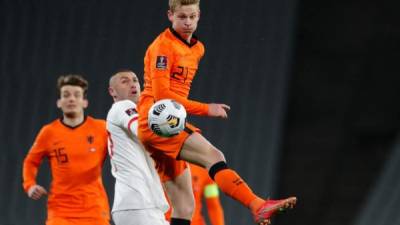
[
  {"x": 76, "y": 221},
  {"x": 164, "y": 150}
]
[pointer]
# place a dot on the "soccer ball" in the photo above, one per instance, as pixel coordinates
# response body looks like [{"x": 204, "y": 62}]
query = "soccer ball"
[{"x": 167, "y": 118}]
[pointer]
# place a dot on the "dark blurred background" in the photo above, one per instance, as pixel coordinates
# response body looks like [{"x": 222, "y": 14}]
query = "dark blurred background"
[{"x": 313, "y": 87}]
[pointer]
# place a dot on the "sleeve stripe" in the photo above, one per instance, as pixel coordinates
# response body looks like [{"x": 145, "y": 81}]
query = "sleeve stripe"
[{"x": 131, "y": 121}]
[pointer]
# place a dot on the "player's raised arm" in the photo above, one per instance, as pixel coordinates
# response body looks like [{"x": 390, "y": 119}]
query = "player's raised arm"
[{"x": 161, "y": 73}]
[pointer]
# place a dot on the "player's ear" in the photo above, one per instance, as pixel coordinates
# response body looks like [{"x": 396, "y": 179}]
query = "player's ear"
[
  {"x": 111, "y": 92},
  {"x": 85, "y": 103},
  {"x": 58, "y": 103},
  {"x": 170, "y": 15}
]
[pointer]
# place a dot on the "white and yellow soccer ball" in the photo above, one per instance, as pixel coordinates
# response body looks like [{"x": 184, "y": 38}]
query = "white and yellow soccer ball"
[{"x": 167, "y": 118}]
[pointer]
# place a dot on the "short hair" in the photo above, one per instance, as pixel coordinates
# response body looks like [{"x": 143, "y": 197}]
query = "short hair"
[
  {"x": 74, "y": 80},
  {"x": 173, "y": 4},
  {"x": 123, "y": 70}
]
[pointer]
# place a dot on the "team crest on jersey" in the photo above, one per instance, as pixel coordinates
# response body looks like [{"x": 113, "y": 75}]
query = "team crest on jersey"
[
  {"x": 130, "y": 111},
  {"x": 90, "y": 139},
  {"x": 161, "y": 62}
]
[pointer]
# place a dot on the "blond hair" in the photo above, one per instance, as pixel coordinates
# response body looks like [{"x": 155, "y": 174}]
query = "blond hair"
[{"x": 173, "y": 4}]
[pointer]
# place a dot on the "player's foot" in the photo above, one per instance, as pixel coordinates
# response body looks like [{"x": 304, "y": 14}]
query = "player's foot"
[{"x": 269, "y": 207}]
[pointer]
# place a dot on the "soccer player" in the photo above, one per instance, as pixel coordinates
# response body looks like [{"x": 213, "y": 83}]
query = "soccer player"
[
  {"x": 76, "y": 147},
  {"x": 139, "y": 197},
  {"x": 171, "y": 62}
]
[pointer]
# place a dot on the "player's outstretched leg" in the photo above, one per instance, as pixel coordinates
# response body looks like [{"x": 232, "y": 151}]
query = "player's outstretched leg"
[{"x": 198, "y": 150}]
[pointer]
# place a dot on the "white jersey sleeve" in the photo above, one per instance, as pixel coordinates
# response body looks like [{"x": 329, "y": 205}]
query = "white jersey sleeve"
[
  {"x": 137, "y": 184},
  {"x": 123, "y": 114}
]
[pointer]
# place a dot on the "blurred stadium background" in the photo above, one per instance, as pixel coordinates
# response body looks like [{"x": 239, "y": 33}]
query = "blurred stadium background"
[{"x": 313, "y": 86}]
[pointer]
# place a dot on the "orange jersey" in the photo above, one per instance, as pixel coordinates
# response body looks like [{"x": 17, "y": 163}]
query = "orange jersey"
[
  {"x": 200, "y": 181},
  {"x": 76, "y": 157},
  {"x": 170, "y": 65}
]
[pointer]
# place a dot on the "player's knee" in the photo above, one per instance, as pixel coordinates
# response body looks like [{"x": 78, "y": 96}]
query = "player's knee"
[
  {"x": 214, "y": 169},
  {"x": 216, "y": 155},
  {"x": 213, "y": 156}
]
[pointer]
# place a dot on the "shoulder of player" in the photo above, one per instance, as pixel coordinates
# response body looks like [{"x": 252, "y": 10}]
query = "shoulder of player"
[
  {"x": 53, "y": 125},
  {"x": 161, "y": 43},
  {"x": 124, "y": 106},
  {"x": 200, "y": 46},
  {"x": 50, "y": 129},
  {"x": 95, "y": 121}
]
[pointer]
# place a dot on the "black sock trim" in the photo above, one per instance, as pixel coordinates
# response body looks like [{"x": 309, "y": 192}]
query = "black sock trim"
[
  {"x": 179, "y": 221},
  {"x": 214, "y": 169}
]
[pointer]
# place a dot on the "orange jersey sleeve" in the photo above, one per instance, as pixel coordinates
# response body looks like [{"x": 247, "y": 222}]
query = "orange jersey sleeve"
[
  {"x": 76, "y": 157},
  {"x": 170, "y": 67},
  {"x": 33, "y": 159}
]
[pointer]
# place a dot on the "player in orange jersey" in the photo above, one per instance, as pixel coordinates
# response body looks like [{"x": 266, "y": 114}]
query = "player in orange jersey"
[
  {"x": 171, "y": 62},
  {"x": 76, "y": 147}
]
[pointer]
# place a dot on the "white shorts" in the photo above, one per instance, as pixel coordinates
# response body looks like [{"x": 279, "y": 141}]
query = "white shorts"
[{"x": 152, "y": 216}]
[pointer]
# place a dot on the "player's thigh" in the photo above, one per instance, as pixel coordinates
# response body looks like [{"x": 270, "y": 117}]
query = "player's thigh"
[
  {"x": 200, "y": 151},
  {"x": 179, "y": 190},
  {"x": 139, "y": 217}
]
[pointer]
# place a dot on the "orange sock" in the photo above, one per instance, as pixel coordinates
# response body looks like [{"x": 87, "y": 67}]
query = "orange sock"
[
  {"x": 256, "y": 204},
  {"x": 232, "y": 185}
]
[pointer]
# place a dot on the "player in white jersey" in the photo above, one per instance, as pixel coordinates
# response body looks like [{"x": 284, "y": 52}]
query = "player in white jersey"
[{"x": 139, "y": 198}]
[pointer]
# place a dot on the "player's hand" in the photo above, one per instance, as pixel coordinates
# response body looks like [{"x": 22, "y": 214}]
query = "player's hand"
[
  {"x": 36, "y": 192},
  {"x": 218, "y": 110}
]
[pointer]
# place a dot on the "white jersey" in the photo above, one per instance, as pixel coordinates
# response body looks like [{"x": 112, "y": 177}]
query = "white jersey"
[{"x": 137, "y": 184}]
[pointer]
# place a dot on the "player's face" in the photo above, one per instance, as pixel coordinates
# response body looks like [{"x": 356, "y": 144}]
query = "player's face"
[
  {"x": 184, "y": 19},
  {"x": 72, "y": 101},
  {"x": 126, "y": 86}
]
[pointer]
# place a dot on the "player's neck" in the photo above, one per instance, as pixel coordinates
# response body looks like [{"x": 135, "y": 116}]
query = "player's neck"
[
  {"x": 73, "y": 121},
  {"x": 187, "y": 38}
]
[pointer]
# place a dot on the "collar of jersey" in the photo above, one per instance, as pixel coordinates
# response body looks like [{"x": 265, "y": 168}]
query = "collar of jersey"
[
  {"x": 193, "y": 41},
  {"x": 71, "y": 127}
]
